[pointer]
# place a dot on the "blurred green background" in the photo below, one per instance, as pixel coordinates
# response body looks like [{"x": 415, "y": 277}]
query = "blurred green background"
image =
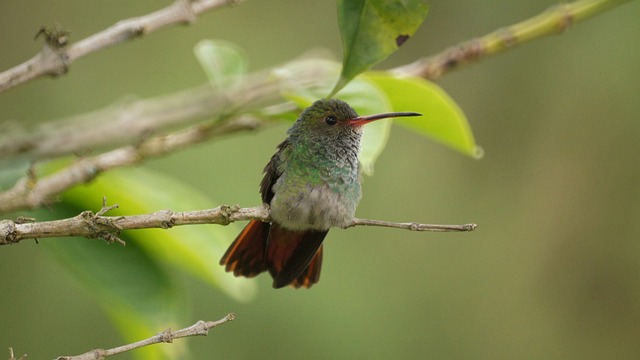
[{"x": 553, "y": 271}]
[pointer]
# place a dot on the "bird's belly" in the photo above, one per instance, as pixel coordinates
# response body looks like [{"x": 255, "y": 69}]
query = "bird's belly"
[{"x": 316, "y": 207}]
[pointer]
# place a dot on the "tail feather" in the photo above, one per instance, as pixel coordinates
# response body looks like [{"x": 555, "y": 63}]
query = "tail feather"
[
  {"x": 290, "y": 255},
  {"x": 246, "y": 255},
  {"x": 311, "y": 274}
]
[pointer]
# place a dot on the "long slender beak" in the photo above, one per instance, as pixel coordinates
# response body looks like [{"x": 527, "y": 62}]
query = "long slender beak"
[{"x": 361, "y": 120}]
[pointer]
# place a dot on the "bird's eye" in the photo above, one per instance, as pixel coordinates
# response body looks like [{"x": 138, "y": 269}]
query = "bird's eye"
[{"x": 330, "y": 120}]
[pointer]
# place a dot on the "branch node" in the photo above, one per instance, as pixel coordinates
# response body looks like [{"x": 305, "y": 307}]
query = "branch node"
[
  {"x": 203, "y": 327},
  {"x": 105, "y": 208},
  {"x": 167, "y": 336},
  {"x": 25, "y": 220},
  {"x": 101, "y": 227},
  {"x": 227, "y": 212},
  {"x": 111, "y": 238},
  {"x": 166, "y": 218},
  {"x": 54, "y": 36},
  {"x": 95, "y": 354},
  {"x": 190, "y": 15}
]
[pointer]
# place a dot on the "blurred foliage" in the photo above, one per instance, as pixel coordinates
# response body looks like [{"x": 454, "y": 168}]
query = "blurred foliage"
[{"x": 552, "y": 272}]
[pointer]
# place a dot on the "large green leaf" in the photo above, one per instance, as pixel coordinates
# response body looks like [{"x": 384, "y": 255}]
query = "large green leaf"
[
  {"x": 372, "y": 30},
  {"x": 443, "y": 119},
  {"x": 195, "y": 249}
]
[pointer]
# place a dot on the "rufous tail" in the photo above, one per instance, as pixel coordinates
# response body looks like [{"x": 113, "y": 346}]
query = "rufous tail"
[
  {"x": 246, "y": 255},
  {"x": 291, "y": 257}
]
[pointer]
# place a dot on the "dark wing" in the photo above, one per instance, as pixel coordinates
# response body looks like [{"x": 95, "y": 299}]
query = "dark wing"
[{"x": 272, "y": 173}]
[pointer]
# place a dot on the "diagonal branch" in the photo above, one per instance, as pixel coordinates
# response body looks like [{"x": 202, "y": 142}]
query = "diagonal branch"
[
  {"x": 30, "y": 192},
  {"x": 108, "y": 228},
  {"x": 55, "y": 60},
  {"x": 554, "y": 20},
  {"x": 130, "y": 121},
  {"x": 200, "y": 328}
]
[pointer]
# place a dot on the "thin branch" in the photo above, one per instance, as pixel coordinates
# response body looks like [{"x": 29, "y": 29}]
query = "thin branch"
[
  {"x": 129, "y": 121},
  {"x": 200, "y": 328},
  {"x": 554, "y": 20},
  {"x": 97, "y": 226},
  {"x": 413, "y": 226},
  {"x": 31, "y": 192},
  {"x": 55, "y": 58}
]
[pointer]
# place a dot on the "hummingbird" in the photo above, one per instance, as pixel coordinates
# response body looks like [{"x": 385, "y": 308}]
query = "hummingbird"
[{"x": 312, "y": 183}]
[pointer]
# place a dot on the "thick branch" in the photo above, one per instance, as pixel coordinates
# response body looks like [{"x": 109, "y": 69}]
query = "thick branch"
[
  {"x": 201, "y": 328},
  {"x": 554, "y": 20},
  {"x": 92, "y": 226},
  {"x": 54, "y": 60}
]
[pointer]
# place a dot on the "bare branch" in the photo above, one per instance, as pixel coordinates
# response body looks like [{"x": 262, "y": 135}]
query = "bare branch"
[
  {"x": 30, "y": 192},
  {"x": 55, "y": 60},
  {"x": 130, "y": 121},
  {"x": 554, "y": 20},
  {"x": 412, "y": 226},
  {"x": 97, "y": 226},
  {"x": 201, "y": 328}
]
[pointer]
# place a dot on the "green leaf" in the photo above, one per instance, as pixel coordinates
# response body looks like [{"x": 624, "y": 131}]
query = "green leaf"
[
  {"x": 443, "y": 119},
  {"x": 372, "y": 30},
  {"x": 365, "y": 97},
  {"x": 195, "y": 249},
  {"x": 222, "y": 61}
]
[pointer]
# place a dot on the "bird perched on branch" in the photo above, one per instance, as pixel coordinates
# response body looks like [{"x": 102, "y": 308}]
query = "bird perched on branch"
[{"x": 312, "y": 183}]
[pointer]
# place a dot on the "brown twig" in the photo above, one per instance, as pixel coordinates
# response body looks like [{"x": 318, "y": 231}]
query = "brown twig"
[
  {"x": 55, "y": 58},
  {"x": 92, "y": 226},
  {"x": 200, "y": 328}
]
